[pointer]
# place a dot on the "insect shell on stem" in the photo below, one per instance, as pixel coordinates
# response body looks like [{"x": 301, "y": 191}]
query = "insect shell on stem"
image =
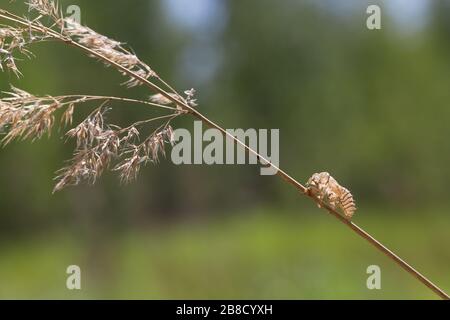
[{"x": 326, "y": 189}]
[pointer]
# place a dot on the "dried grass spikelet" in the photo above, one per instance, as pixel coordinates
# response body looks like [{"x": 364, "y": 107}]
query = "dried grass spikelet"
[
  {"x": 26, "y": 116},
  {"x": 69, "y": 29},
  {"x": 45, "y": 7},
  {"x": 325, "y": 188},
  {"x": 14, "y": 40},
  {"x": 7, "y": 59},
  {"x": 190, "y": 97},
  {"x": 67, "y": 117},
  {"x": 162, "y": 100},
  {"x": 23, "y": 115},
  {"x": 155, "y": 144},
  {"x": 130, "y": 167},
  {"x": 109, "y": 48},
  {"x": 88, "y": 131},
  {"x": 89, "y": 163},
  {"x": 148, "y": 151},
  {"x": 97, "y": 146}
]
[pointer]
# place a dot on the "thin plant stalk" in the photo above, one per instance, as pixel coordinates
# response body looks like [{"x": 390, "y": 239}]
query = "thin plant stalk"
[{"x": 188, "y": 108}]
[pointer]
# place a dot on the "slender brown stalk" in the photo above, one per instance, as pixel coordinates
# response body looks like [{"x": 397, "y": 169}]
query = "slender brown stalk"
[
  {"x": 85, "y": 98},
  {"x": 178, "y": 100},
  {"x": 288, "y": 179},
  {"x": 387, "y": 252},
  {"x": 441, "y": 293}
]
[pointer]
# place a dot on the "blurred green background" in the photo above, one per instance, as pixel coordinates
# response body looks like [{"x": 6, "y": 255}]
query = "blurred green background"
[{"x": 371, "y": 107}]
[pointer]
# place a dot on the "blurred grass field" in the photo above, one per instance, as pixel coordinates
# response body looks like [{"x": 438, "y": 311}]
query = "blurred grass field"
[{"x": 261, "y": 255}]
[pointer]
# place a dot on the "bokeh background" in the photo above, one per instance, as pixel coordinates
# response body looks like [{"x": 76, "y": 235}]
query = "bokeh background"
[{"x": 371, "y": 107}]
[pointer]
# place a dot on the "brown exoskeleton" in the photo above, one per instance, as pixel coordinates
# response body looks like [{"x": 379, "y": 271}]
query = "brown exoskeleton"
[{"x": 325, "y": 188}]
